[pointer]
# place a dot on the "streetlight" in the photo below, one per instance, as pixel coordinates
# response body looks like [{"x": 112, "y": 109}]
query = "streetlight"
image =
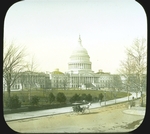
[
  {"x": 141, "y": 97},
  {"x": 128, "y": 92},
  {"x": 115, "y": 96},
  {"x": 105, "y": 97}
]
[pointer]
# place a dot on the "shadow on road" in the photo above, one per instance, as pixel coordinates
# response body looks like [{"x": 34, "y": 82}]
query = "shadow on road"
[
  {"x": 90, "y": 113},
  {"x": 133, "y": 124}
]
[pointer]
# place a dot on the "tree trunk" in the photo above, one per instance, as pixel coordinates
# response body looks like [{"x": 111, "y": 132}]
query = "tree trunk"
[{"x": 8, "y": 90}]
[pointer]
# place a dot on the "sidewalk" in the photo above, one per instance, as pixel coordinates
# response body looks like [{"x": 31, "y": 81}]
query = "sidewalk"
[
  {"x": 135, "y": 111},
  {"x": 40, "y": 113}
]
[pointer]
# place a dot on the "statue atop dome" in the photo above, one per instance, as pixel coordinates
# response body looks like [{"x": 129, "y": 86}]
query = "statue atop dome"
[{"x": 80, "y": 41}]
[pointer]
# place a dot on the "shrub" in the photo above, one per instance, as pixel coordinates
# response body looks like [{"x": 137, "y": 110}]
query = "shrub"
[
  {"x": 83, "y": 97},
  {"x": 34, "y": 100},
  {"x": 89, "y": 97},
  {"x": 13, "y": 102},
  {"x": 51, "y": 98},
  {"x": 95, "y": 99},
  {"x": 75, "y": 98},
  {"x": 61, "y": 97},
  {"x": 101, "y": 96}
]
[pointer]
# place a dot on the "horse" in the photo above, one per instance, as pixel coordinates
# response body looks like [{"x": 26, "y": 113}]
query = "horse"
[{"x": 86, "y": 107}]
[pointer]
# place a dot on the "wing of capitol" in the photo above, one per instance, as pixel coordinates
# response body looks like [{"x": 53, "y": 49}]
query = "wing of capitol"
[{"x": 79, "y": 76}]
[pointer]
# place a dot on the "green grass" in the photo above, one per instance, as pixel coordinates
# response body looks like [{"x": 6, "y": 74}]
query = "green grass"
[
  {"x": 68, "y": 93},
  {"x": 43, "y": 94}
]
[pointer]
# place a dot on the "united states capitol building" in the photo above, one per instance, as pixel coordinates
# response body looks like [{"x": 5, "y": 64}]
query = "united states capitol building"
[{"x": 79, "y": 74}]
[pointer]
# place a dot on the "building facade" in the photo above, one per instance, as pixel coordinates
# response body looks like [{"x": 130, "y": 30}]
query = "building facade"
[
  {"x": 58, "y": 79},
  {"x": 80, "y": 74},
  {"x": 30, "y": 80}
]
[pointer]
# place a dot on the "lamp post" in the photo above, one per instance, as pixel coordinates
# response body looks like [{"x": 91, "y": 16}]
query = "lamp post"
[
  {"x": 30, "y": 82},
  {"x": 141, "y": 96},
  {"x": 115, "y": 95},
  {"x": 105, "y": 97},
  {"x": 128, "y": 92}
]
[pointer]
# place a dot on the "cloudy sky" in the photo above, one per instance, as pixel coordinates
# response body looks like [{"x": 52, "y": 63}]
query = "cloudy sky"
[{"x": 49, "y": 29}]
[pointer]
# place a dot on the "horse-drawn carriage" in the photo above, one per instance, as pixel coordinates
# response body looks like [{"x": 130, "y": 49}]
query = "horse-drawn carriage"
[{"x": 77, "y": 107}]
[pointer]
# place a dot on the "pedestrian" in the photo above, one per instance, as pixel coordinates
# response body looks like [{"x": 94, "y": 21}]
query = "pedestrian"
[
  {"x": 100, "y": 102},
  {"x": 132, "y": 103}
]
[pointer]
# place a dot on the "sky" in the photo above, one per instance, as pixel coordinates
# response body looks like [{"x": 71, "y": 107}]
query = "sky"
[{"x": 49, "y": 30}]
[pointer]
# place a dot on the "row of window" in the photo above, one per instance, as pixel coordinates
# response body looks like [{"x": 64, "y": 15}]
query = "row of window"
[
  {"x": 106, "y": 81},
  {"x": 58, "y": 85},
  {"x": 102, "y": 85},
  {"x": 105, "y": 78},
  {"x": 79, "y": 66},
  {"x": 79, "y": 58},
  {"x": 17, "y": 86}
]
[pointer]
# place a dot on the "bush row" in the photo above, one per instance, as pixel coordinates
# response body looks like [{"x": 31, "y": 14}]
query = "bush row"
[{"x": 13, "y": 102}]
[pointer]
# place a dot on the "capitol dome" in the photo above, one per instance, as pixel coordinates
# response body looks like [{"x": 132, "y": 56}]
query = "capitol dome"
[
  {"x": 79, "y": 59},
  {"x": 80, "y": 51}
]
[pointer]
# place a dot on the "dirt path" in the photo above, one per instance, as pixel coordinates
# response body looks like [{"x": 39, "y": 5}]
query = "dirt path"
[{"x": 104, "y": 119}]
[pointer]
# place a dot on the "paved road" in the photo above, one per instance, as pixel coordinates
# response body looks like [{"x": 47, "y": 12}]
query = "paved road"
[{"x": 25, "y": 115}]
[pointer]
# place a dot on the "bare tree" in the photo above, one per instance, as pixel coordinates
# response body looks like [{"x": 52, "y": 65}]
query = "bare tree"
[
  {"x": 134, "y": 66},
  {"x": 139, "y": 55},
  {"x": 116, "y": 82},
  {"x": 13, "y": 64},
  {"x": 127, "y": 69},
  {"x": 25, "y": 75},
  {"x": 116, "y": 85},
  {"x": 65, "y": 82},
  {"x": 31, "y": 67}
]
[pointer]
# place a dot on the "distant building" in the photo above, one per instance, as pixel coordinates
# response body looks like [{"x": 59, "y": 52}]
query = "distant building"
[
  {"x": 30, "y": 80},
  {"x": 58, "y": 79},
  {"x": 80, "y": 74}
]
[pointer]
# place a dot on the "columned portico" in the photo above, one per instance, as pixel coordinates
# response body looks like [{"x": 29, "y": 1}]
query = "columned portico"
[{"x": 84, "y": 66}]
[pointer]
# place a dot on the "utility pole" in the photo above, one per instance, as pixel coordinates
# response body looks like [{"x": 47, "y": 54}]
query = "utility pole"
[{"x": 105, "y": 97}]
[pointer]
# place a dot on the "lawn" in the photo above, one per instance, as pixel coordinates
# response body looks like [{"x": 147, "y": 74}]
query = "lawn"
[
  {"x": 43, "y": 94},
  {"x": 44, "y": 103}
]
